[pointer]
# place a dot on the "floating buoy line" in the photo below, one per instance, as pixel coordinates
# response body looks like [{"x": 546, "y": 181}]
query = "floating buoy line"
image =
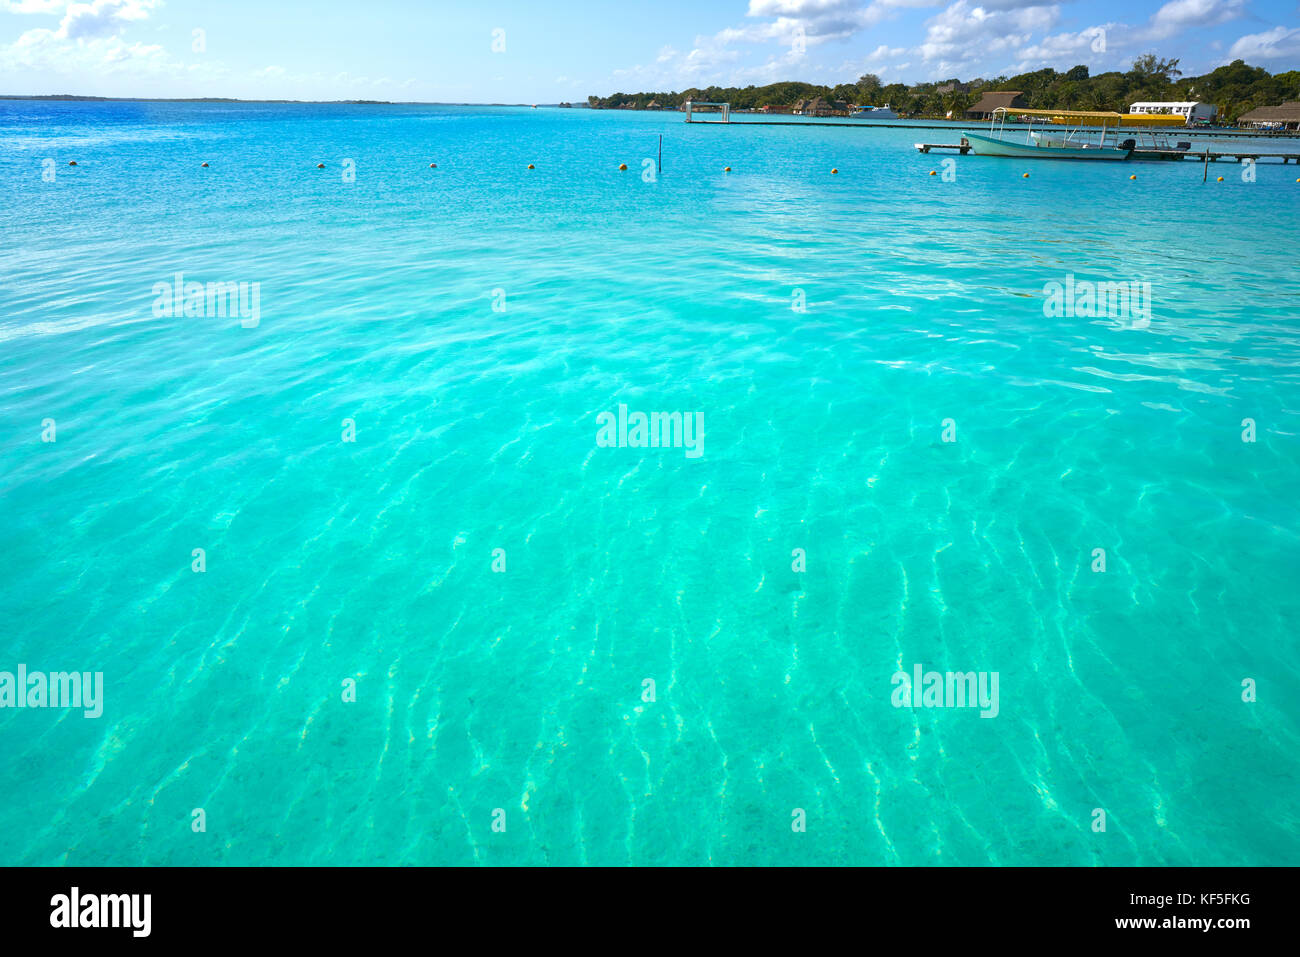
[{"x": 623, "y": 167}]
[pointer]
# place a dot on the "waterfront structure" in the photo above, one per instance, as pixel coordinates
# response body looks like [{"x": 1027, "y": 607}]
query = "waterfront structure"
[
  {"x": 997, "y": 100},
  {"x": 1191, "y": 111},
  {"x": 1284, "y": 117}
]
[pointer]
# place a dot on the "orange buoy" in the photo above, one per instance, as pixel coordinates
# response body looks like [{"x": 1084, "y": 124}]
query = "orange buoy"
[
  {"x": 1134, "y": 176},
  {"x": 72, "y": 162},
  {"x": 320, "y": 165},
  {"x": 726, "y": 169},
  {"x": 433, "y": 166},
  {"x": 834, "y": 171},
  {"x": 622, "y": 166},
  {"x": 205, "y": 165},
  {"x": 1220, "y": 179},
  {"x": 530, "y": 166},
  {"x": 933, "y": 173},
  {"x": 1024, "y": 175}
]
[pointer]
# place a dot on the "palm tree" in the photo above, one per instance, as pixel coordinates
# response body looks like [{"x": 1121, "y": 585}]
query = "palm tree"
[
  {"x": 955, "y": 102},
  {"x": 1229, "y": 108}
]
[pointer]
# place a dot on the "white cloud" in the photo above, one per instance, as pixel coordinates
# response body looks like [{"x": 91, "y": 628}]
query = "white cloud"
[
  {"x": 884, "y": 52},
  {"x": 99, "y": 18},
  {"x": 1179, "y": 15},
  {"x": 1280, "y": 43},
  {"x": 85, "y": 18},
  {"x": 877, "y": 62},
  {"x": 1062, "y": 46},
  {"x": 794, "y": 27},
  {"x": 964, "y": 34},
  {"x": 46, "y": 50},
  {"x": 88, "y": 39}
]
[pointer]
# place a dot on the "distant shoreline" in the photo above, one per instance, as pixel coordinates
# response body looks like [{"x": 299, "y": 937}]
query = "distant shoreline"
[{"x": 918, "y": 124}]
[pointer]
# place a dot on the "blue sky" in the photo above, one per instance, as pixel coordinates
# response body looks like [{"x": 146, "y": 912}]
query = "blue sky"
[{"x": 539, "y": 51}]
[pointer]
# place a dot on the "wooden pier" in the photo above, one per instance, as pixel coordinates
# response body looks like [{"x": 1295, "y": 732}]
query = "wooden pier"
[
  {"x": 963, "y": 147},
  {"x": 1212, "y": 156}
]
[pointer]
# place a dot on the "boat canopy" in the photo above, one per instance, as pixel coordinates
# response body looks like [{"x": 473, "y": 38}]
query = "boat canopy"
[
  {"x": 1153, "y": 119},
  {"x": 1064, "y": 114}
]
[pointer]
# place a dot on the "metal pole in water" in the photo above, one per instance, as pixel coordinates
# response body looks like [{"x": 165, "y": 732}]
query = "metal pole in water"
[
  {"x": 661, "y": 153},
  {"x": 1205, "y": 176}
]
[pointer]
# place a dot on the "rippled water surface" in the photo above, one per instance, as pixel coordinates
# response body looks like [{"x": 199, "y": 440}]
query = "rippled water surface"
[{"x": 476, "y": 429}]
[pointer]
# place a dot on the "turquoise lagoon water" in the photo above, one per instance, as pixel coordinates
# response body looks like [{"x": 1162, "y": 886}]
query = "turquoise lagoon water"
[{"x": 476, "y": 430}]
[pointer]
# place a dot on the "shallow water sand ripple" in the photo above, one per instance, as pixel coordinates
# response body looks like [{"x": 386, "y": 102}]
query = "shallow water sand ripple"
[{"x": 476, "y": 430}]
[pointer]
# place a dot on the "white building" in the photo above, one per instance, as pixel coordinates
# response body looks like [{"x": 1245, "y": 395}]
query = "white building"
[{"x": 1190, "y": 110}]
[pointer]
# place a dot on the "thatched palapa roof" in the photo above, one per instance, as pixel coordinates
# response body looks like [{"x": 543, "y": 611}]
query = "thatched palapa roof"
[
  {"x": 1286, "y": 113},
  {"x": 1009, "y": 99}
]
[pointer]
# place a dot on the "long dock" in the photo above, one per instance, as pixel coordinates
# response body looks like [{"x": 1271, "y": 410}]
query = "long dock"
[{"x": 1212, "y": 156}]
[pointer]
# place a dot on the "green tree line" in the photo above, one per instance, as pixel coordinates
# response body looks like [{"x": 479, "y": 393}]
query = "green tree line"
[{"x": 1235, "y": 89}]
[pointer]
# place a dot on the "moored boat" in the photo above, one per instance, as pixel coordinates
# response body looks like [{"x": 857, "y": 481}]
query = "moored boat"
[
  {"x": 1080, "y": 143},
  {"x": 1142, "y": 145},
  {"x": 994, "y": 146},
  {"x": 874, "y": 113}
]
